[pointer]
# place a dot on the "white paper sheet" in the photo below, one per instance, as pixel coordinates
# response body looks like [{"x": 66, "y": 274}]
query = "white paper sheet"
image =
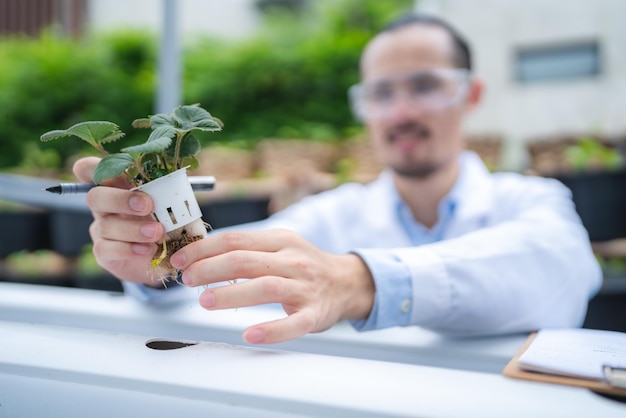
[{"x": 575, "y": 352}]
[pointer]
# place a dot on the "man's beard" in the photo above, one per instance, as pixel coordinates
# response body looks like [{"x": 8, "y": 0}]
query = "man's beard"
[
  {"x": 412, "y": 169},
  {"x": 420, "y": 172}
]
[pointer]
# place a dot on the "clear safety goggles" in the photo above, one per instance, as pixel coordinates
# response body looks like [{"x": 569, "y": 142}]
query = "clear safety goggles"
[{"x": 432, "y": 89}]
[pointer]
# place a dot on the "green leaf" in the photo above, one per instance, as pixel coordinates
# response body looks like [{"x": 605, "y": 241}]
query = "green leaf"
[
  {"x": 218, "y": 121},
  {"x": 162, "y": 131},
  {"x": 155, "y": 172},
  {"x": 111, "y": 166},
  {"x": 189, "y": 146},
  {"x": 149, "y": 160},
  {"x": 142, "y": 123},
  {"x": 195, "y": 117},
  {"x": 93, "y": 132},
  {"x": 155, "y": 145},
  {"x": 192, "y": 162},
  {"x": 57, "y": 133},
  {"x": 162, "y": 119}
]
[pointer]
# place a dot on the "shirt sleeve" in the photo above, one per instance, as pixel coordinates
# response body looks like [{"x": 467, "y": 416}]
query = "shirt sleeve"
[
  {"x": 532, "y": 268},
  {"x": 534, "y": 271},
  {"x": 393, "y": 298}
]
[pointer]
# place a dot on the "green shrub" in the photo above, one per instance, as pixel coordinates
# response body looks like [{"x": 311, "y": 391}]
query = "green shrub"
[
  {"x": 53, "y": 81},
  {"x": 589, "y": 154}
]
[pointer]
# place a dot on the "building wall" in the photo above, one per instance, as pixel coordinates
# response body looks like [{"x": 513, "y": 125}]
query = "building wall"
[
  {"x": 527, "y": 111},
  {"x": 231, "y": 18}
]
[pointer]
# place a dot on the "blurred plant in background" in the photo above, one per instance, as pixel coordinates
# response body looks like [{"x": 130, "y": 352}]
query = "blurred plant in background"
[
  {"x": 589, "y": 154},
  {"x": 52, "y": 80}
]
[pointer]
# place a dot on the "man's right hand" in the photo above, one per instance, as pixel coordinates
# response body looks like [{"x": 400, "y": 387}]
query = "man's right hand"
[{"x": 124, "y": 234}]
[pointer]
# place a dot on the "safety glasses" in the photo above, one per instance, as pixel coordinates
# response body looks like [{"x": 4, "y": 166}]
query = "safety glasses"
[{"x": 432, "y": 89}]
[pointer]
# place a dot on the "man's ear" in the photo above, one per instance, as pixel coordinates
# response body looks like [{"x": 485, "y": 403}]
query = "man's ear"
[{"x": 474, "y": 94}]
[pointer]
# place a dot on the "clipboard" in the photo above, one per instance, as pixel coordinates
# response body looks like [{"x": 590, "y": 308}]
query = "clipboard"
[{"x": 513, "y": 370}]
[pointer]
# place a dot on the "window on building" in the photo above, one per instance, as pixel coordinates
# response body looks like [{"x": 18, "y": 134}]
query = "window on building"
[{"x": 558, "y": 62}]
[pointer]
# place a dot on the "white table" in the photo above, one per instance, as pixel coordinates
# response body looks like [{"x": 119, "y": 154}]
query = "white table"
[
  {"x": 98, "y": 310},
  {"x": 54, "y": 371}
]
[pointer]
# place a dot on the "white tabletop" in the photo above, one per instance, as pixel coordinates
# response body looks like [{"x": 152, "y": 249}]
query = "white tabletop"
[
  {"x": 92, "y": 309},
  {"x": 53, "y": 371}
]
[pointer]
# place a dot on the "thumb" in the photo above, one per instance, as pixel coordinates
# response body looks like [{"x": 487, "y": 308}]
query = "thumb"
[{"x": 84, "y": 168}]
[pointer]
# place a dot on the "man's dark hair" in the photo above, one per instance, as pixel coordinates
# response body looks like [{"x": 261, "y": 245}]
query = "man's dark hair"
[{"x": 462, "y": 54}]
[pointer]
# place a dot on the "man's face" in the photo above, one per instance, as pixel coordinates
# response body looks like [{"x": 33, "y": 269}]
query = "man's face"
[{"x": 415, "y": 99}]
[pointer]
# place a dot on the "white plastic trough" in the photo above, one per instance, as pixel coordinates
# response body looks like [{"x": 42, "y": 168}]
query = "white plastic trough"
[
  {"x": 92, "y": 309},
  {"x": 70, "y": 372}
]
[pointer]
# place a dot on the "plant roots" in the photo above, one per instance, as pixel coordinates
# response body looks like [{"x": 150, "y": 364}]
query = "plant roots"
[{"x": 173, "y": 242}]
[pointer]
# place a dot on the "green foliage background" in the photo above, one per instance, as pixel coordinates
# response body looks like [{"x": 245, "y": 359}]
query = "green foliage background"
[{"x": 288, "y": 81}]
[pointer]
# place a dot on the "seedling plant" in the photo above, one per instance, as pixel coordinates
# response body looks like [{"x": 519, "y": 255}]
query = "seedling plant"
[{"x": 171, "y": 146}]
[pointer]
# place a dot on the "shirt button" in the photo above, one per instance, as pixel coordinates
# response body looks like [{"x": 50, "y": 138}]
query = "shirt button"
[{"x": 405, "y": 306}]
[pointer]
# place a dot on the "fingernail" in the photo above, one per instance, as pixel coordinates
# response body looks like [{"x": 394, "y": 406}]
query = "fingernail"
[
  {"x": 149, "y": 230},
  {"x": 178, "y": 260},
  {"x": 137, "y": 203},
  {"x": 207, "y": 299},
  {"x": 187, "y": 278},
  {"x": 141, "y": 249},
  {"x": 255, "y": 336}
]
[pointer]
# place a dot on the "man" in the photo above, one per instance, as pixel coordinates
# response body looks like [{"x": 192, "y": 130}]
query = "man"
[{"x": 436, "y": 241}]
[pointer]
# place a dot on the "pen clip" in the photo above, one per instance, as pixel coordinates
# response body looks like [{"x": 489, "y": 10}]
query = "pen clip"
[{"x": 615, "y": 376}]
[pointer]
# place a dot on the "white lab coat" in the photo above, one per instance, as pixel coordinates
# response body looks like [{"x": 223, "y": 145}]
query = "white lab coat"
[{"x": 513, "y": 258}]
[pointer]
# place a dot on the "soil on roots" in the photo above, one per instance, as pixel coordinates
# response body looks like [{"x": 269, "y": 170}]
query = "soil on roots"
[{"x": 172, "y": 246}]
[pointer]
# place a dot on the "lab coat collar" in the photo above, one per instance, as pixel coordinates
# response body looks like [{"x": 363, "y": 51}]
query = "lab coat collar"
[{"x": 472, "y": 196}]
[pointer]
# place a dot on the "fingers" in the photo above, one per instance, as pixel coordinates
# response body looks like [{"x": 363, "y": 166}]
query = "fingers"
[
  {"x": 229, "y": 266},
  {"x": 127, "y": 261},
  {"x": 291, "y": 327},
  {"x": 265, "y": 290},
  {"x": 83, "y": 170},
  {"x": 260, "y": 291},
  {"x": 125, "y": 229},
  {"x": 123, "y": 233},
  {"x": 112, "y": 200},
  {"x": 108, "y": 251},
  {"x": 262, "y": 241}
]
